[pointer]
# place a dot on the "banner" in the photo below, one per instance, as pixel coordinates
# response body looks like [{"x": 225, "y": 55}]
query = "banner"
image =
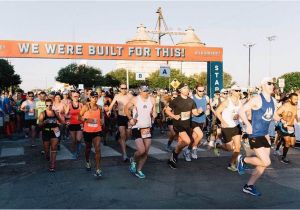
[
  {"x": 96, "y": 51},
  {"x": 214, "y": 77}
]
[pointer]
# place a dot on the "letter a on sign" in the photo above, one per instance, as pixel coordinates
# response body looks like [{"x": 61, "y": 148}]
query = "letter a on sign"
[{"x": 164, "y": 71}]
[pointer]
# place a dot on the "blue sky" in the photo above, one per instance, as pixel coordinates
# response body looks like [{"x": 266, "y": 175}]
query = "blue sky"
[{"x": 218, "y": 24}]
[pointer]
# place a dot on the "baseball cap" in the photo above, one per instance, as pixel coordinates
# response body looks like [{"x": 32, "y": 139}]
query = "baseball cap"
[
  {"x": 144, "y": 88},
  {"x": 235, "y": 87},
  {"x": 223, "y": 90},
  {"x": 182, "y": 85},
  {"x": 265, "y": 80},
  {"x": 93, "y": 93},
  {"x": 65, "y": 92}
]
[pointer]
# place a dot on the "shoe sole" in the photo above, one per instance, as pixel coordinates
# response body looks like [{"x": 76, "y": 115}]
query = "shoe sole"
[
  {"x": 140, "y": 176},
  {"x": 284, "y": 162},
  {"x": 249, "y": 192}
]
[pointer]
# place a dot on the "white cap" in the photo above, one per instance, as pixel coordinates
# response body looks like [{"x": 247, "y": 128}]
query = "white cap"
[
  {"x": 265, "y": 80},
  {"x": 223, "y": 90},
  {"x": 235, "y": 87}
]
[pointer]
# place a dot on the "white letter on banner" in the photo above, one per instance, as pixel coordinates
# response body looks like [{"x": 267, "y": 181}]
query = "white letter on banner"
[
  {"x": 92, "y": 50},
  {"x": 35, "y": 49},
  {"x": 50, "y": 49},
  {"x": 24, "y": 47},
  {"x": 131, "y": 51}
]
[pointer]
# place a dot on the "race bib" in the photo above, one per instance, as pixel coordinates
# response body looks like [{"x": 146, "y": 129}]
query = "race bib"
[
  {"x": 56, "y": 132},
  {"x": 93, "y": 125},
  {"x": 290, "y": 130},
  {"x": 30, "y": 113},
  {"x": 185, "y": 115},
  {"x": 145, "y": 133}
]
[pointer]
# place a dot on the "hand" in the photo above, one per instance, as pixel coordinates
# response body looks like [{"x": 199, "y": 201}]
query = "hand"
[
  {"x": 224, "y": 125},
  {"x": 200, "y": 110},
  {"x": 176, "y": 117},
  {"x": 132, "y": 121}
]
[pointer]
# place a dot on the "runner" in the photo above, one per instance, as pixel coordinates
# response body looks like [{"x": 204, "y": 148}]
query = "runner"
[
  {"x": 171, "y": 133},
  {"x": 122, "y": 99},
  {"x": 28, "y": 107},
  {"x": 181, "y": 110},
  {"x": 66, "y": 101},
  {"x": 73, "y": 110},
  {"x": 92, "y": 131},
  {"x": 144, "y": 112},
  {"x": 40, "y": 107},
  {"x": 48, "y": 120},
  {"x": 197, "y": 123},
  {"x": 231, "y": 130},
  {"x": 288, "y": 112},
  {"x": 262, "y": 107}
]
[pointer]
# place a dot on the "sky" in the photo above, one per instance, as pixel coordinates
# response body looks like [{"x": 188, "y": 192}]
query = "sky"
[{"x": 226, "y": 24}]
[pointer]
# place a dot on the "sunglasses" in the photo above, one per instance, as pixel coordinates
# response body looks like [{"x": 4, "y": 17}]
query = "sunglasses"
[
  {"x": 30, "y": 96},
  {"x": 225, "y": 93},
  {"x": 271, "y": 83},
  {"x": 238, "y": 91},
  {"x": 201, "y": 91},
  {"x": 123, "y": 88},
  {"x": 48, "y": 105}
]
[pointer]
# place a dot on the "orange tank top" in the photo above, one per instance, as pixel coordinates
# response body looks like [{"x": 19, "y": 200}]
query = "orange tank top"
[{"x": 96, "y": 125}]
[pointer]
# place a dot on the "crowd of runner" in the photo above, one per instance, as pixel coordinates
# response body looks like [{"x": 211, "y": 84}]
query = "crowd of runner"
[{"x": 231, "y": 119}]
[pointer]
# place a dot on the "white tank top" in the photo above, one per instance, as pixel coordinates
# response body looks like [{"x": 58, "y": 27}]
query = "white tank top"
[
  {"x": 230, "y": 113},
  {"x": 142, "y": 112}
]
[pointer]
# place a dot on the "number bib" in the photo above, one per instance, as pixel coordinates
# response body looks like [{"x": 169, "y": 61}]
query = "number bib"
[
  {"x": 145, "y": 133},
  {"x": 30, "y": 114},
  {"x": 185, "y": 115},
  {"x": 93, "y": 125}
]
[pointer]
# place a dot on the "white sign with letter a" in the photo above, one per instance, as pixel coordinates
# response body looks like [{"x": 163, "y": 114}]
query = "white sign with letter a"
[{"x": 164, "y": 71}]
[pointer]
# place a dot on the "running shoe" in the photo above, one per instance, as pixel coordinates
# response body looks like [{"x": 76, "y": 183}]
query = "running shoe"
[
  {"x": 284, "y": 160},
  {"x": 88, "y": 166},
  {"x": 251, "y": 189},
  {"x": 277, "y": 152},
  {"x": 232, "y": 167},
  {"x": 187, "y": 155},
  {"x": 125, "y": 158},
  {"x": 194, "y": 154},
  {"x": 42, "y": 152},
  {"x": 33, "y": 145},
  {"x": 172, "y": 162},
  {"x": 240, "y": 165},
  {"x": 211, "y": 144},
  {"x": 98, "y": 173},
  {"x": 51, "y": 169},
  {"x": 169, "y": 148},
  {"x": 216, "y": 150},
  {"x": 140, "y": 174},
  {"x": 132, "y": 167}
]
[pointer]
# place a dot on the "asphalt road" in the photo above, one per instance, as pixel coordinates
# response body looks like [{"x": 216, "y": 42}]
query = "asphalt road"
[{"x": 203, "y": 183}]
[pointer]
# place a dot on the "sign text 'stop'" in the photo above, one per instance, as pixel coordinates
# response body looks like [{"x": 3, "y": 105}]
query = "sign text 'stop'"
[{"x": 96, "y": 51}]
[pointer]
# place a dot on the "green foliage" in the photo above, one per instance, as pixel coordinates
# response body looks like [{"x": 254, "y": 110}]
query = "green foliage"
[
  {"x": 74, "y": 74},
  {"x": 120, "y": 76},
  {"x": 8, "y": 77},
  {"x": 292, "y": 81}
]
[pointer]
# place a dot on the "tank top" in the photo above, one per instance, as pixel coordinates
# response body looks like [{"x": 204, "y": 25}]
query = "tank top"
[
  {"x": 74, "y": 113},
  {"x": 142, "y": 113},
  {"x": 200, "y": 103},
  {"x": 96, "y": 125},
  {"x": 262, "y": 117},
  {"x": 30, "y": 110},
  {"x": 50, "y": 121},
  {"x": 230, "y": 113}
]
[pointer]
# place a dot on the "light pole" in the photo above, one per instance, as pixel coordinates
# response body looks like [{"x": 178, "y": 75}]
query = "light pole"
[
  {"x": 249, "y": 45},
  {"x": 270, "y": 39}
]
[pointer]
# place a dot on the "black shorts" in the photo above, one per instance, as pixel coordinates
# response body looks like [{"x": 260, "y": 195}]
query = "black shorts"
[
  {"x": 29, "y": 123},
  {"x": 75, "y": 127},
  {"x": 179, "y": 129},
  {"x": 258, "y": 142},
  {"x": 228, "y": 133},
  {"x": 196, "y": 124},
  {"x": 89, "y": 136},
  {"x": 122, "y": 120},
  {"x": 284, "y": 132},
  {"x": 48, "y": 135},
  {"x": 169, "y": 121},
  {"x": 136, "y": 133}
]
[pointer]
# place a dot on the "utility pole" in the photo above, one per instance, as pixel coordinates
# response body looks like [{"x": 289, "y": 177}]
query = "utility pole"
[
  {"x": 270, "y": 39},
  {"x": 249, "y": 45}
]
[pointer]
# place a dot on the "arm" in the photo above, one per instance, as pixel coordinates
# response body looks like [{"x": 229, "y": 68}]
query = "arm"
[
  {"x": 154, "y": 113},
  {"x": 113, "y": 103},
  {"x": 171, "y": 114},
  {"x": 219, "y": 111},
  {"x": 41, "y": 118},
  {"x": 128, "y": 106}
]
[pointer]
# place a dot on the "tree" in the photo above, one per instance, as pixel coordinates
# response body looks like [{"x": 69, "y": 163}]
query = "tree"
[
  {"x": 120, "y": 75},
  {"x": 292, "y": 81},
  {"x": 8, "y": 78},
  {"x": 74, "y": 74},
  {"x": 202, "y": 79},
  {"x": 163, "y": 82}
]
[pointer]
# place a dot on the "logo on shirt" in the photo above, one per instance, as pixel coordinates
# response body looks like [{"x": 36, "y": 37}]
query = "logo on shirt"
[{"x": 267, "y": 116}]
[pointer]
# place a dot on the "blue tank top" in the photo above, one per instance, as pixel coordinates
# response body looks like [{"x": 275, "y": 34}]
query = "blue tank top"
[
  {"x": 200, "y": 103},
  {"x": 262, "y": 118}
]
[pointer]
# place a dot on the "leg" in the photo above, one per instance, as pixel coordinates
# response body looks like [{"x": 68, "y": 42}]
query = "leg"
[
  {"x": 33, "y": 134},
  {"x": 183, "y": 141},
  {"x": 53, "y": 142},
  {"x": 122, "y": 140},
  {"x": 236, "y": 149},
  {"x": 146, "y": 146},
  {"x": 96, "y": 143},
  {"x": 46, "y": 145}
]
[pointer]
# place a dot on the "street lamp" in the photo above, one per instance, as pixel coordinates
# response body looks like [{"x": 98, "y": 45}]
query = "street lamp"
[
  {"x": 270, "y": 39},
  {"x": 249, "y": 45}
]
